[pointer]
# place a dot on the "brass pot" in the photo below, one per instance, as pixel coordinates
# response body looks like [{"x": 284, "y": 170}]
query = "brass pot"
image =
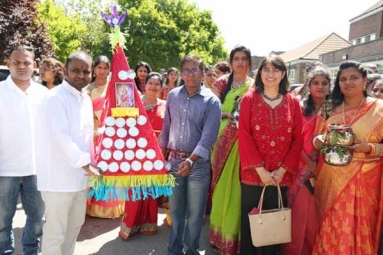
[
  {"x": 341, "y": 135},
  {"x": 336, "y": 159}
]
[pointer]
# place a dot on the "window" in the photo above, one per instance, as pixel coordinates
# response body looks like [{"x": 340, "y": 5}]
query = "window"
[
  {"x": 354, "y": 42},
  {"x": 372, "y": 37},
  {"x": 363, "y": 39},
  {"x": 358, "y": 41},
  {"x": 292, "y": 75}
]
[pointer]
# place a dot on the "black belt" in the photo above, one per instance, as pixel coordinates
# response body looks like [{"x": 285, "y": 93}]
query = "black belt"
[{"x": 181, "y": 155}]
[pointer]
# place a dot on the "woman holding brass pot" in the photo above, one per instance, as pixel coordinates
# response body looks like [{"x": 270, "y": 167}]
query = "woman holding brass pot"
[
  {"x": 350, "y": 196},
  {"x": 270, "y": 143}
]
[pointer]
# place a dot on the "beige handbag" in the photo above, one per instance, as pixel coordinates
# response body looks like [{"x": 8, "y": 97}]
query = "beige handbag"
[{"x": 270, "y": 227}]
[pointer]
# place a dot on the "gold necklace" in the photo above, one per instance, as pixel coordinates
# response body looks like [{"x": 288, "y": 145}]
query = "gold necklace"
[
  {"x": 148, "y": 105},
  {"x": 352, "y": 119},
  {"x": 99, "y": 88},
  {"x": 238, "y": 83}
]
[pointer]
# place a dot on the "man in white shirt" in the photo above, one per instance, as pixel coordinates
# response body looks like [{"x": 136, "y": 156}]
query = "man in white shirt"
[
  {"x": 20, "y": 99},
  {"x": 68, "y": 132}
]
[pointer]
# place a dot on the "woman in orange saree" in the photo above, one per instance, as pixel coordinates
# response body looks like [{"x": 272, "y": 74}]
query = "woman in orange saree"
[
  {"x": 300, "y": 194},
  {"x": 350, "y": 198}
]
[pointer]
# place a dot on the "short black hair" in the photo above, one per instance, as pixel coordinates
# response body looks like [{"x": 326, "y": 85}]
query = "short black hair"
[
  {"x": 79, "y": 55},
  {"x": 24, "y": 47},
  {"x": 194, "y": 58}
]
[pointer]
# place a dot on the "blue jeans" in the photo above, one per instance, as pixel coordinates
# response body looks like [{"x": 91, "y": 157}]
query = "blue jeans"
[
  {"x": 189, "y": 198},
  {"x": 10, "y": 188}
]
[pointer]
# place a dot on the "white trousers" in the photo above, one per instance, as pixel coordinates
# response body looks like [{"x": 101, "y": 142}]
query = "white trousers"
[{"x": 64, "y": 215}]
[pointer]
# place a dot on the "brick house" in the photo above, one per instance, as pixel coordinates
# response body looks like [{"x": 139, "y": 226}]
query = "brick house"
[{"x": 366, "y": 35}]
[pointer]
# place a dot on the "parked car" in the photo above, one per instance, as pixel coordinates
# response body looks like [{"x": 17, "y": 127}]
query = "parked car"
[
  {"x": 295, "y": 86},
  {"x": 4, "y": 72}
]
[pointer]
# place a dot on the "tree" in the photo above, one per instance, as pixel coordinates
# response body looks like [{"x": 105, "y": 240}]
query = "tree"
[
  {"x": 161, "y": 32},
  {"x": 95, "y": 38},
  {"x": 18, "y": 26},
  {"x": 66, "y": 31}
]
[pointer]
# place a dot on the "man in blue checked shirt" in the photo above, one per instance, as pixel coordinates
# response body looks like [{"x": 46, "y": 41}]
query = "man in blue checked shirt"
[{"x": 192, "y": 119}]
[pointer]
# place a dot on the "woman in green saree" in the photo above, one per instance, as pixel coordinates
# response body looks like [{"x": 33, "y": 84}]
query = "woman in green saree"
[{"x": 225, "y": 215}]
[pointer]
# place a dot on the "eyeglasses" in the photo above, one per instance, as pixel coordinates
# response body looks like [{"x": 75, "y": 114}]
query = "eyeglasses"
[
  {"x": 237, "y": 60},
  {"x": 191, "y": 71}
]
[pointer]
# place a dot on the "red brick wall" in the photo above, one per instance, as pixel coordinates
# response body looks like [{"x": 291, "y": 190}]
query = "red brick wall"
[
  {"x": 369, "y": 25},
  {"x": 356, "y": 52}
]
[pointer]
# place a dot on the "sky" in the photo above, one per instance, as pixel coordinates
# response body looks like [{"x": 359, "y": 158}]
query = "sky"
[{"x": 281, "y": 25}]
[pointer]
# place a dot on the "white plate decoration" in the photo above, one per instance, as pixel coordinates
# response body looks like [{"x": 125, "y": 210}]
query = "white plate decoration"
[
  {"x": 131, "y": 143},
  {"x": 101, "y": 130},
  {"x": 117, "y": 155},
  {"x": 107, "y": 142},
  {"x": 121, "y": 132},
  {"x": 142, "y": 142},
  {"x": 150, "y": 154},
  {"x": 110, "y": 121},
  {"x": 129, "y": 155},
  {"x": 125, "y": 167},
  {"x": 140, "y": 154},
  {"x": 131, "y": 122},
  {"x": 168, "y": 166},
  {"x": 158, "y": 165},
  {"x": 148, "y": 165},
  {"x": 106, "y": 154},
  {"x": 123, "y": 75},
  {"x": 113, "y": 167},
  {"x": 119, "y": 144},
  {"x": 136, "y": 165},
  {"x": 133, "y": 131},
  {"x": 110, "y": 131},
  {"x": 141, "y": 120},
  {"x": 102, "y": 165},
  {"x": 120, "y": 122}
]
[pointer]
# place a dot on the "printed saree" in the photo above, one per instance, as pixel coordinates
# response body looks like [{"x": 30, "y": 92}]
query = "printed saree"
[
  {"x": 141, "y": 216},
  {"x": 350, "y": 198},
  {"x": 301, "y": 200},
  {"x": 225, "y": 217}
]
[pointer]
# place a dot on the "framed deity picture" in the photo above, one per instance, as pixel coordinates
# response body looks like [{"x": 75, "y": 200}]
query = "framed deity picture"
[{"x": 124, "y": 94}]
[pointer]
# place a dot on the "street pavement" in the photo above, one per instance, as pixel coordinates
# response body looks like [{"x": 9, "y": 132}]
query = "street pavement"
[{"x": 100, "y": 237}]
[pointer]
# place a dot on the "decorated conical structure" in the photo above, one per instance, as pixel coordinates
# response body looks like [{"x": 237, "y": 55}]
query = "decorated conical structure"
[{"x": 127, "y": 149}]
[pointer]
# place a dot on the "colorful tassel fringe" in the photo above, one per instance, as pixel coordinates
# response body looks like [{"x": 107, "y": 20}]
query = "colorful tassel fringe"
[{"x": 133, "y": 187}]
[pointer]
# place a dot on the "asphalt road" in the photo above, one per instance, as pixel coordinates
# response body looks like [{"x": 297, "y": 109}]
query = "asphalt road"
[{"x": 100, "y": 237}]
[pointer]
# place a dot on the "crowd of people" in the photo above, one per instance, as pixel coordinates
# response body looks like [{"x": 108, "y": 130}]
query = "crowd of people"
[{"x": 231, "y": 141}]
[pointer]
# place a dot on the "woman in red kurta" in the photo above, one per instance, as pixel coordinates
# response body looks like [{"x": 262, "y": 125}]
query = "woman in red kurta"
[
  {"x": 270, "y": 144},
  {"x": 141, "y": 216}
]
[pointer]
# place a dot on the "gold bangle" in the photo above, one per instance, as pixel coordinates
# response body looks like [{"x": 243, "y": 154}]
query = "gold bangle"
[
  {"x": 378, "y": 149},
  {"x": 372, "y": 147}
]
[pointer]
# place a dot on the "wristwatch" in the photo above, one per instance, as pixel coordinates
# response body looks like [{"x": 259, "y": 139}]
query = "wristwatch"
[{"x": 190, "y": 161}]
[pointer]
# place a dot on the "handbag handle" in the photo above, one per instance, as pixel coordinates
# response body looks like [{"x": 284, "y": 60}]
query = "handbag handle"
[{"x": 280, "y": 203}]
